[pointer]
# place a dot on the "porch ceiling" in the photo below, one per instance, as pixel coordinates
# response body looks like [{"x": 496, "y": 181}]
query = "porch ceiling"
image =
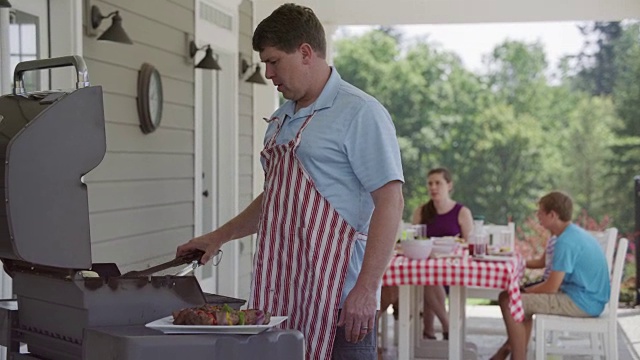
[{"x": 404, "y": 12}]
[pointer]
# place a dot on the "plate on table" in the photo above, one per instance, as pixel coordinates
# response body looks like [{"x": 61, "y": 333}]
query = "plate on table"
[
  {"x": 165, "y": 325},
  {"x": 444, "y": 256},
  {"x": 502, "y": 253},
  {"x": 493, "y": 258}
]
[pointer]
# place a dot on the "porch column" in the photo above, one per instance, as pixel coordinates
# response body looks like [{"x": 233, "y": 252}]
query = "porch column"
[{"x": 265, "y": 99}]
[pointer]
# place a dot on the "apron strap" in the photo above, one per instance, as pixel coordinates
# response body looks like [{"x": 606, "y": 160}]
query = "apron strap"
[{"x": 273, "y": 138}]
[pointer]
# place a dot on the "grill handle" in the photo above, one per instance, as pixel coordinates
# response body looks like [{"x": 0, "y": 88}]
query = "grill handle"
[{"x": 72, "y": 60}]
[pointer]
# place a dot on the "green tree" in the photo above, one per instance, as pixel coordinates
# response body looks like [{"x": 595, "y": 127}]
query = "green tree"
[
  {"x": 625, "y": 162},
  {"x": 586, "y": 150},
  {"x": 508, "y": 135},
  {"x": 517, "y": 75},
  {"x": 611, "y": 66},
  {"x": 597, "y": 61},
  {"x": 366, "y": 60},
  {"x": 505, "y": 164}
]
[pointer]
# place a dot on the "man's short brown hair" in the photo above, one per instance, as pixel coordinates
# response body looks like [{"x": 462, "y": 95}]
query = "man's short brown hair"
[
  {"x": 559, "y": 202},
  {"x": 288, "y": 27}
]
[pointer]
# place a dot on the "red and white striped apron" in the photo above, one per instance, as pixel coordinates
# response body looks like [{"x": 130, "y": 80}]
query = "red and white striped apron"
[{"x": 303, "y": 250}]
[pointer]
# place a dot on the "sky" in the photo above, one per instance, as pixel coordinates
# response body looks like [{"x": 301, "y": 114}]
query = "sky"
[{"x": 472, "y": 41}]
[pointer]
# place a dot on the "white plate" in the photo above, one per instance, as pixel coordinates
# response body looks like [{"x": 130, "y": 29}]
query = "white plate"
[
  {"x": 493, "y": 258},
  {"x": 445, "y": 256},
  {"x": 166, "y": 326},
  {"x": 508, "y": 253}
]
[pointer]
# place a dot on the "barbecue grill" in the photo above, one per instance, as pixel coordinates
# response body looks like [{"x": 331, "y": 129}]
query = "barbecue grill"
[{"x": 65, "y": 306}]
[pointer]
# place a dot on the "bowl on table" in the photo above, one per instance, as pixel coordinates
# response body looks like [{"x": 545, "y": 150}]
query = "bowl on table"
[{"x": 417, "y": 249}]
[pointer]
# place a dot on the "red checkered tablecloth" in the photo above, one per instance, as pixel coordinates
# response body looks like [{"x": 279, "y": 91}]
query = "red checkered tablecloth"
[{"x": 460, "y": 271}]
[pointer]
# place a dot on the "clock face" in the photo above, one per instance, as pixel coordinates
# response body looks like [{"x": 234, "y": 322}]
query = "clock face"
[{"x": 149, "y": 98}]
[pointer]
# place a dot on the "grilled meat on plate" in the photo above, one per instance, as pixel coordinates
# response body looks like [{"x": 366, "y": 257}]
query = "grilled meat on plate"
[{"x": 220, "y": 315}]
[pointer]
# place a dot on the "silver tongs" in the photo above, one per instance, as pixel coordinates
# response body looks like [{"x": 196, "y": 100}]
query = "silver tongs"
[
  {"x": 189, "y": 268},
  {"x": 195, "y": 263},
  {"x": 190, "y": 258}
]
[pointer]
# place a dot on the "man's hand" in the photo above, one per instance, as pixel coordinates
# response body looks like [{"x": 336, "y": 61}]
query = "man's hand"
[
  {"x": 358, "y": 314},
  {"x": 244, "y": 224},
  {"x": 207, "y": 243}
]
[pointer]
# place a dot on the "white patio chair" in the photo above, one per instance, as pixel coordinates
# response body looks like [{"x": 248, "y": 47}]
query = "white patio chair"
[
  {"x": 603, "y": 330},
  {"x": 607, "y": 239},
  {"x": 501, "y": 235}
]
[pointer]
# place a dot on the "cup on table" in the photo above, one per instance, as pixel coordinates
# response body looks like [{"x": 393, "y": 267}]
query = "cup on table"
[
  {"x": 421, "y": 231},
  {"x": 408, "y": 234},
  {"x": 478, "y": 244},
  {"x": 480, "y": 250},
  {"x": 504, "y": 242}
]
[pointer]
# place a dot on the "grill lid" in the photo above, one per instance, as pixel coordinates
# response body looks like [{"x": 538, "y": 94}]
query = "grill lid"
[{"x": 48, "y": 141}]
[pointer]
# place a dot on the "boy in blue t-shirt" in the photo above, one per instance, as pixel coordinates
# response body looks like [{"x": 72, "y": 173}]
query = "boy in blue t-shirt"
[{"x": 577, "y": 286}]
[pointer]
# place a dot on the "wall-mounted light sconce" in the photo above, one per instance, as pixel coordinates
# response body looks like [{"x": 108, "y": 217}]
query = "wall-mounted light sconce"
[
  {"x": 208, "y": 62},
  {"x": 256, "y": 77},
  {"x": 114, "y": 33},
  {"x": 5, "y": 4}
]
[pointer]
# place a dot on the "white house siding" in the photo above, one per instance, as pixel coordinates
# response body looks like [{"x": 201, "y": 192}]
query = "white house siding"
[
  {"x": 141, "y": 195},
  {"x": 248, "y": 155}
]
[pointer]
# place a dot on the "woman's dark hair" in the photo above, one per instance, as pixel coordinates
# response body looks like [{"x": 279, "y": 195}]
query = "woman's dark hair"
[
  {"x": 428, "y": 211},
  {"x": 288, "y": 27}
]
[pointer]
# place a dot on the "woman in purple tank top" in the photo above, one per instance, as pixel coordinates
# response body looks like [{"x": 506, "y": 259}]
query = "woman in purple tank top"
[{"x": 444, "y": 217}]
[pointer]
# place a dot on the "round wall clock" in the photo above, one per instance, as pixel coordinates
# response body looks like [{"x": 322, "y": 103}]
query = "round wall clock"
[{"x": 149, "y": 98}]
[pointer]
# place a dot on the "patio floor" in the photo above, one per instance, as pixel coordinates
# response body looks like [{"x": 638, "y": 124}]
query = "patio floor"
[{"x": 486, "y": 329}]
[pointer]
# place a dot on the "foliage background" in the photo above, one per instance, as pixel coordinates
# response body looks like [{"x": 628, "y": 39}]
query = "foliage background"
[{"x": 509, "y": 135}]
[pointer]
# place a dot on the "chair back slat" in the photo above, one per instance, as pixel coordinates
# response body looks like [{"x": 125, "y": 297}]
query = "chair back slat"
[
  {"x": 607, "y": 240},
  {"x": 616, "y": 277},
  {"x": 495, "y": 233}
]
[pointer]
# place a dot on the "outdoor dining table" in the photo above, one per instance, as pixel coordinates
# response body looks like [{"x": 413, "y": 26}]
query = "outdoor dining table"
[{"x": 459, "y": 273}]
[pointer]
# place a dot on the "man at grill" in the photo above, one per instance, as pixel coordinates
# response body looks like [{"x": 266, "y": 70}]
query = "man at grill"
[{"x": 327, "y": 218}]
